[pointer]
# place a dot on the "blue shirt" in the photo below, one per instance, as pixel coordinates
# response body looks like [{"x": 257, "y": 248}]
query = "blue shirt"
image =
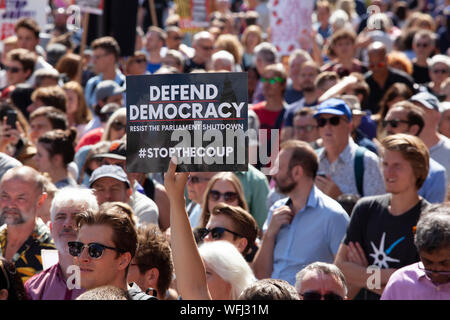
[
  {"x": 92, "y": 83},
  {"x": 315, "y": 233},
  {"x": 434, "y": 189}
]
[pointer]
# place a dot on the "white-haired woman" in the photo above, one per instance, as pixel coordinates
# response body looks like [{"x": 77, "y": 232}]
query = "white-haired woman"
[
  {"x": 439, "y": 70},
  {"x": 227, "y": 272},
  {"x": 215, "y": 271}
]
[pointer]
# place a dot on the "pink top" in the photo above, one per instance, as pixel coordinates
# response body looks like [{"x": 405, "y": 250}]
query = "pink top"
[
  {"x": 50, "y": 285},
  {"x": 411, "y": 283}
]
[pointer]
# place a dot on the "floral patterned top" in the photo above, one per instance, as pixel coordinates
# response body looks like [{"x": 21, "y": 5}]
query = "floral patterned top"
[{"x": 28, "y": 259}]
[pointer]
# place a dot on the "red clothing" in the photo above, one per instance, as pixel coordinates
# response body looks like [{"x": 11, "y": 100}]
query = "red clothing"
[
  {"x": 267, "y": 118},
  {"x": 92, "y": 137}
]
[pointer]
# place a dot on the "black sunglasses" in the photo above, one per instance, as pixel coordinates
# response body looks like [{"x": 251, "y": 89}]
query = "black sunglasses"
[
  {"x": 117, "y": 125},
  {"x": 315, "y": 295},
  {"x": 334, "y": 121},
  {"x": 393, "y": 123},
  {"x": 12, "y": 69},
  {"x": 95, "y": 250},
  {"x": 227, "y": 196},
  {"x": 216, "y": 233}
]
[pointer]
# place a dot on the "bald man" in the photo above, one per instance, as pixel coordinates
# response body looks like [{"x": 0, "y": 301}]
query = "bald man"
[
  {"x": 381, "y": 77},
  {"x": 22, "y": 234}
]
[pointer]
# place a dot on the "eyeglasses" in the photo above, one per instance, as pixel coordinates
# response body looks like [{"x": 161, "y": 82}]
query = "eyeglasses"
[
  {"x": 117, "y": 125},
  {"x": 95, "y": 250},
  {"x": 422, "y": 45},
  {"x": 13, "y": 69},
  {"x": 272, "y": 80},
  {"x": 429, "y": 271},
  {"x": 5, "y": 274},
  {"x": 216, "y": 233},
  {"x": 393, "y": 123},
  {"x": 442, "y": 71},
  {"x": 315, "y": 295},
  {"x": 195, "y": 179},
  {"x": 380, "y": 64},
  {"x": 334, "y": 121},
  {"x": 307, "y": 128},
  {"x": 227, "y": 196}
]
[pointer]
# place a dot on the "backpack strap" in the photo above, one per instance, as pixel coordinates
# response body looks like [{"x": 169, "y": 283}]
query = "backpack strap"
[{"x": 359, "y": 169}]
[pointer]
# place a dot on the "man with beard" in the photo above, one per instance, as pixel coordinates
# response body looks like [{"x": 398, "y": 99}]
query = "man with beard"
[
  {"x": 305, "y": 227},
  {"x": 307, "y": 76},
  {"x": 22, "y": 234},
  {"x": 51, "y": 284}
]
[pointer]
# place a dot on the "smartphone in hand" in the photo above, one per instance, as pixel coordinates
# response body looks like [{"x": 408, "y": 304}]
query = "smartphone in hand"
[{"x": 11, "y": 118}]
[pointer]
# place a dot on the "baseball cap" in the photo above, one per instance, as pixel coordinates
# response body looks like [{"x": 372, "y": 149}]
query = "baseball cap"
[
  {"x": 107, "y": 88},
  {"x": 427, "y": 99},
  {"x": 117, "y": 150},
  {"x": 110, "y": 171},
  {"x": 334, "y": 106}
]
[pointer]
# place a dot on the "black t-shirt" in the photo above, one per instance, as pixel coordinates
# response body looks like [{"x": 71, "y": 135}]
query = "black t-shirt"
[
  {"x": 190, "y": 65},
  {"x": 377, "y": 93},
  {"x": 387, "y": 240},
  {"x": 420, "y": 74}
]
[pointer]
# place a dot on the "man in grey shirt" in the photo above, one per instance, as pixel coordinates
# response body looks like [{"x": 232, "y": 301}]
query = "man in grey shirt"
[{"x": 7, "y": 162}]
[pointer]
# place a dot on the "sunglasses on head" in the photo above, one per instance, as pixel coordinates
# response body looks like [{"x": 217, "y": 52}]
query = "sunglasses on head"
[
  {"x": 394, "y": 123},
  {"x": 227, "y": 196},
  {"x": 315, "y": 295},
  {"x": 12, "y": 69},
  {"x": 95, "y": 250},
  {"x": 334, "y": 121},
  {"x": 272, "y": 80},
  {"x": 195, "y": 179},
  {"x": 216, "y": 233},
  {"x": 117, "y": 125}
]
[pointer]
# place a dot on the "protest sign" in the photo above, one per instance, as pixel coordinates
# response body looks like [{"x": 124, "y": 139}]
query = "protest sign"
[
  {"x": 13, "y": 10},
  {"x": 200, "y": 118},
  {"x": 193, "y": 14},
  {"x": 290, "y": 20}
]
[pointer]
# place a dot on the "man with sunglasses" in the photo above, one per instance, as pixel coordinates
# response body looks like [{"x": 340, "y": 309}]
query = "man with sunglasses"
[
  {"x": 321, "y": 281},
  {"x": 51, "y": 284},
  {"x": 106, "y": 244},
  {"x": 405, "y": 117},
  {"x": 305, "y": 227},
  {"x": 338, "y": 159},
  {"x": 428, "y": 279},
  {"x": 203, "y": 43},
  {"x": 381, "y": 76},
  {"x": 423, "y": 45},
  {"x": 19, "y": 66}
]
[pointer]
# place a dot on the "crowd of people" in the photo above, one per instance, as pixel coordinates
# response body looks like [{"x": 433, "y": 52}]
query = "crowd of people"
[{"x": 357, "y": 201}]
